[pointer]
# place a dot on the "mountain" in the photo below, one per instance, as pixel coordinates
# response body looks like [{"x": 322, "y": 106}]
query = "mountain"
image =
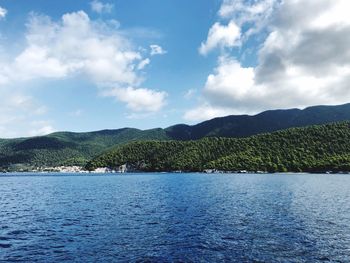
[
  {"x": 308, "y": 149},
  {"x": 68, "y": 148},
  {"x": 268, "y": 121}
]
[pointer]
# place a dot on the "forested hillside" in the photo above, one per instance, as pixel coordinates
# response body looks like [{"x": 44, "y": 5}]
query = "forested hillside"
[
  {"x": 310, "y": 149},
  {"x": 67, "y": 148},
  {"x": 268, "y": 121}
]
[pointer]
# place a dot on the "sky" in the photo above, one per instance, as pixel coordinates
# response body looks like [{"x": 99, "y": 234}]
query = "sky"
[{"x": 106, "y": 64}]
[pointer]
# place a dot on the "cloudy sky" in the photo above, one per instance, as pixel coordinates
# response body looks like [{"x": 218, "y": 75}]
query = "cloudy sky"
[{"x": 90, "y": 65}]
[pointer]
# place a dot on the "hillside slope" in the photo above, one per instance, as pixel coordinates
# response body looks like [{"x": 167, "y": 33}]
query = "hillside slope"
[
  {"x": 309, "y": 149},
  {"x": 68, "y": 148},
  {"x": 268, "y": 121}
]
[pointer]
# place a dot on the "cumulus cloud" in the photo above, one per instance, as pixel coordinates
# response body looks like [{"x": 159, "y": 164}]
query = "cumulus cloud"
[
  {"x": 242, "y": 11},
  {"x": 230, "y": 84},
  {"x": 78, "y": 46},
  {"x": 206, "y": 112},
  {"x": 35, "y": 62},
  {"x": 139, "y": 100},
  {"x": 75, "y": 47},
  {"x": 157, "y": 50},
  {"x": 244, "y": 20},
  {"x": 304, "y": 60},
  {"x": 100, "y": 7},
  {"x": 3, "y": 12},
  {"x": 221, "y": 36}
]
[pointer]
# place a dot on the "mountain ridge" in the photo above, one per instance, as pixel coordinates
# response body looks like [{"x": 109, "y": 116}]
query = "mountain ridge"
[
  {"x": 77, "y": 148},
  {"x": 266, "y": 121},
  {"x": 295, "y": 112},
  {"x": 316, "y": 148}
]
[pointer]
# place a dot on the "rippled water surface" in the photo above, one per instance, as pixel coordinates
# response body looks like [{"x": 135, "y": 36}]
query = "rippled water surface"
[{"x": 175, "y": 217}]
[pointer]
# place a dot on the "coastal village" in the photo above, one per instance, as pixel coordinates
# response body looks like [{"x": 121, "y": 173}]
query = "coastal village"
[
  {"x": 65, "y": 169},
  {"x": 125, "y": 168},
  {"x": 79, "y": 169}
]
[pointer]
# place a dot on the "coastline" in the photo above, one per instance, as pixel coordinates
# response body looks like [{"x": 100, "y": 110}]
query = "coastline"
[{"x": 91, "y": 173}]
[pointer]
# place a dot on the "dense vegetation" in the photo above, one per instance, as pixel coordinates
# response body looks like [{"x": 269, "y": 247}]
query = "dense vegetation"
[
  {"x": 67, "y": 148},
  {"x": 269, "y": 121},
  {"x": 310, "y": 149}
]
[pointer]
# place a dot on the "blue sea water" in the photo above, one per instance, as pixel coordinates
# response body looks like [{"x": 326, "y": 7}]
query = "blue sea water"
[{"x": 175, "y": 218}]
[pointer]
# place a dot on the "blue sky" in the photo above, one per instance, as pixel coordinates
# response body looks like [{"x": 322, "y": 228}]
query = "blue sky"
[{"x": 91, "y": 65}]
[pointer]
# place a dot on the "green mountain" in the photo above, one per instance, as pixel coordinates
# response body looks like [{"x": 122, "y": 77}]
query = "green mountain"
[
  {"x": 68, "y": 148},
  {"x": 268, "y": 121},
  {"x": 308, "y": 149}
]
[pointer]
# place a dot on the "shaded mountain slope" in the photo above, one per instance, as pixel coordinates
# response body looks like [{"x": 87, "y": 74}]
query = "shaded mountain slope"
[
  {"x": 309, "y": 149},
  {"x": 268, "y": 121}
]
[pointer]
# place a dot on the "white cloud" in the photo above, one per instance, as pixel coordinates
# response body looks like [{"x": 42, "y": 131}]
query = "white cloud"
[
  {"x": 141, "y": 99},
  {"x": 73, "y": 47},
  {"x": 244, "y": 20},
  {"x": 242, "y": 12},
  {"x": 305, "y": 60},
  {"x": 76, "y": 46},
  {"x": 77, "y": 43},
  {"x": 221, "y": 36},
  {"x": 143, "y": 63},
  {"x": 100, "y": 8},
  {"x": 3, "y": 12},
  {"x": 35, "y": 62},
  {"x": 157, "y": 50},
  {"x": 230, "y": 83},
  {"x": 206, "y": 112}
]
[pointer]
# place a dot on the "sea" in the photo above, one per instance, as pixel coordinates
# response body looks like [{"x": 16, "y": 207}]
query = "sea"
[{"x": 173, "y": 217}]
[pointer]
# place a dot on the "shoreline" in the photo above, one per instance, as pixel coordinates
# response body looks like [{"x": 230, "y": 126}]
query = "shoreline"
[{"x": 24, "y": 173}]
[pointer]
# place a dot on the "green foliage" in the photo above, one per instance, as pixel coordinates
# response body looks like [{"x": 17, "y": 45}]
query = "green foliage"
[
  {"x": 310, "y": 149},
  {"x": 67, "y": 148},
  {"x": 238, "y": 126}
]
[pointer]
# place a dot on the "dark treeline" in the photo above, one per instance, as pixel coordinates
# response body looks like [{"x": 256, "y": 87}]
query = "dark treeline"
[{"x": 310, "y": 149}]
